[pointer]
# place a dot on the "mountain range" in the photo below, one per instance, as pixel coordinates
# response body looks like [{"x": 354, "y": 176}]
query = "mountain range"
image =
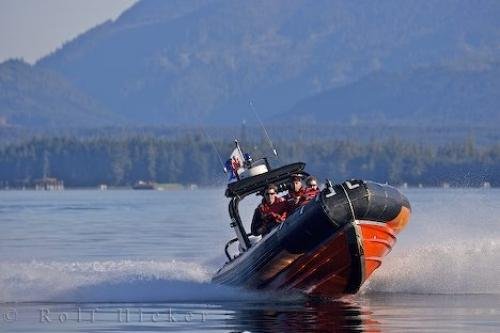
[
  {"x": 31, "y": 96},
  {"x": 425, "y": 97},
  {"x": 184, "y": 62}
]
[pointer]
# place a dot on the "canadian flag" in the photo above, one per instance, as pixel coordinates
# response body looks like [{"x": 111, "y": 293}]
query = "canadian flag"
[{"x": 235, "y": 165}]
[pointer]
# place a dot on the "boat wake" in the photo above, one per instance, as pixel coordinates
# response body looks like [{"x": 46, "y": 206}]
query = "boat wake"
[
  {"x": 455, "y": 267},
  {"x": 112, "y": 281}
]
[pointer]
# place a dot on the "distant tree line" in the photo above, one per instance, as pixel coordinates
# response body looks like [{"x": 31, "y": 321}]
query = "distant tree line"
[{"x": 192, "y": 159}]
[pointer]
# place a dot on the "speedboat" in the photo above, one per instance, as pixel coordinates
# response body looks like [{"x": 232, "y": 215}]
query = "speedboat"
[{"x": 327, "y": 247}]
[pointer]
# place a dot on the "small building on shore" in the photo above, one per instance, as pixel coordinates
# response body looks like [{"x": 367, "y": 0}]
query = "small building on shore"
[{"x": 49, "y": 184}]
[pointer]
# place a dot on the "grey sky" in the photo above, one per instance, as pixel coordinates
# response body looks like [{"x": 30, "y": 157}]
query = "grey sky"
[{"x": 30, "y": 29}]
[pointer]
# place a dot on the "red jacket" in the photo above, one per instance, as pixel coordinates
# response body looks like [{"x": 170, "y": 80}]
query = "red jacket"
[
  {"x": 309, "y": 194},
  {"x": 294, "y": 199},
  {"x": 267, "y": 216}
]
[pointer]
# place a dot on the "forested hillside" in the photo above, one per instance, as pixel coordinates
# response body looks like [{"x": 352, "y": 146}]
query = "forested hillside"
[
  {"x": 35, "y": 97},
  {"x": 192, "y": 160},
  {"x": 424, "y": 97}
]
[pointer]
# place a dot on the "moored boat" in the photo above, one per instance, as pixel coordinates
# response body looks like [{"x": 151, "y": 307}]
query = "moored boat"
[{"x": 144, "y": 185}]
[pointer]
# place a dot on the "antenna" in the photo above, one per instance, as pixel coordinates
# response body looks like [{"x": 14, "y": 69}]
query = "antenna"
[
  {"x": 215, "y": 148},
  {"x": 237, "y": 144},
  {"x": 275, "y": 152}
]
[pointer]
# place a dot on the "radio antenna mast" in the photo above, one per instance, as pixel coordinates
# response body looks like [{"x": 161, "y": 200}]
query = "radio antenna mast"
[
  {"x": 215, "y": 148},
  {"x": 275, "y": 152}
]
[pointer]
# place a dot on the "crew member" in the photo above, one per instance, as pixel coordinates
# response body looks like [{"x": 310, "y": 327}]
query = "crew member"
[
  {"x": 271, "y": 212},
  {"x": 311, "y": 190},
  {"x": 295, "y": 195}
]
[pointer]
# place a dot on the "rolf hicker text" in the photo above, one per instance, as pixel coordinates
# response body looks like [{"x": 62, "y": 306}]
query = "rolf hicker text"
[{"x": 120, "y": 315}]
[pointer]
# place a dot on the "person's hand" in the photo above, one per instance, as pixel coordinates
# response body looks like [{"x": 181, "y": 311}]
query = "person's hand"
[{"x": 275, "y": 216}]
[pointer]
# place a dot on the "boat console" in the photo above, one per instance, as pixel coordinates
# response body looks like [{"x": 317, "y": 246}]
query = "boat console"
[{"x": 237, "y": 191}]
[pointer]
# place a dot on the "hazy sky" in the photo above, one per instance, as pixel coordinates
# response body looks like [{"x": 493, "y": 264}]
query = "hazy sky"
[{"x": 30, "y": 29}]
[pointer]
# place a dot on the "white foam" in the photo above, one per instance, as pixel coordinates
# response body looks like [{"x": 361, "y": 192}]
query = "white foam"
[
  {"x": 451, "y": 267},
  {"x": 110, "y": 281}
]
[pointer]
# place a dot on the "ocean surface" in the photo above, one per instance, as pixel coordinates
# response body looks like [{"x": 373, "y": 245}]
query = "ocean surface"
[{"x": 123, "y": 260}]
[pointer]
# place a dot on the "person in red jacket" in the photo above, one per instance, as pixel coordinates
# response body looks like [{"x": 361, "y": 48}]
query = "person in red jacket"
[
  {"x": 271, "y": 212},
  {"x": 295, "y": 195},
  {"x": 311, "y": 190}
]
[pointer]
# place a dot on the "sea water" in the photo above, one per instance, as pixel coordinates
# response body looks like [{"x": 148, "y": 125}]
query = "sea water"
[{"x": 120, "y": 261}]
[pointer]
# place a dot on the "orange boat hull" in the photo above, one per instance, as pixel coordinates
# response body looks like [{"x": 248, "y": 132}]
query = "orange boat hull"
[
  {"x": 345, "y": 262},
  {"x": 379, "y": 238}
]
